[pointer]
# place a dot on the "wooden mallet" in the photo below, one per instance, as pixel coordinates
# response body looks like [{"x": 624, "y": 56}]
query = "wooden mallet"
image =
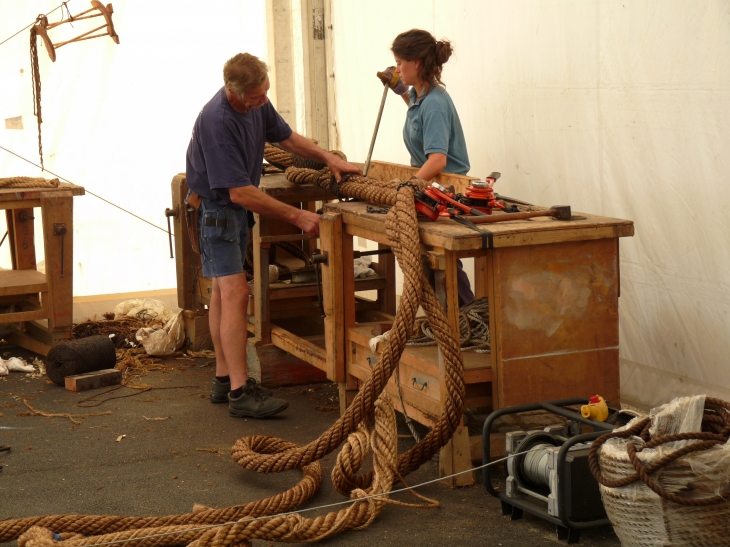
[{"x": 559, "y": 212}]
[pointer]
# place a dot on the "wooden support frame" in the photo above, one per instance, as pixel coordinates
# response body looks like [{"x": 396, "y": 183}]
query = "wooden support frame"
[
  {"x": 42, "y": 26},
  {"x": 39, "y": 296}
]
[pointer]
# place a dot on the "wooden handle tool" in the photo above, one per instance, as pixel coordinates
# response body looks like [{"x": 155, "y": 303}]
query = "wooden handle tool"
[{"x": 559, "y": 212}]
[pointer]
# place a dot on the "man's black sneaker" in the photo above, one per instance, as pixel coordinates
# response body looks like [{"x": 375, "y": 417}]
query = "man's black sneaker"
[
  {"x": 255, "y": 402},
  {"x": 220, "y": 391}
]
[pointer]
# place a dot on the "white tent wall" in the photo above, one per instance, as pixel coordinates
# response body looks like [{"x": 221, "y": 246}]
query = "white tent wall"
[
  {"x": 117, "y": 120},
  {"x": 616, "y": 107}
]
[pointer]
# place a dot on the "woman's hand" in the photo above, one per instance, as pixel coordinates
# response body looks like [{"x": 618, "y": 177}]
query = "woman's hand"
[{"x": 392, "y": 79}]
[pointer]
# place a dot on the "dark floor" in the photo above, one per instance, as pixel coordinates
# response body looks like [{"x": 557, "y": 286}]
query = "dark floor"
[{"x": 174, "y": 452}]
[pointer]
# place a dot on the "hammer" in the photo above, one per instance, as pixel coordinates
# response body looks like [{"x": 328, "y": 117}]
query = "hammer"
[{"x": 559, "y": 212}]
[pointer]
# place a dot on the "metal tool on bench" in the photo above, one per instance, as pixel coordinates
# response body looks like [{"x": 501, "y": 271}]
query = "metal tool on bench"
[
  {"x": 480, "y": 195},
  {"x": 436, "y": 201},
  {"x": 549, "y": 474},
  {"x": 559, "y": 212}
]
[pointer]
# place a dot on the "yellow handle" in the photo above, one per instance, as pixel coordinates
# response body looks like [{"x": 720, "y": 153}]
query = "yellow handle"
[{"x": 595, "y": 411}]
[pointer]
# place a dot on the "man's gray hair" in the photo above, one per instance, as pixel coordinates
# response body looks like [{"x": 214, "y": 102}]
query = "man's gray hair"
[{"x": 244, "y": 72}]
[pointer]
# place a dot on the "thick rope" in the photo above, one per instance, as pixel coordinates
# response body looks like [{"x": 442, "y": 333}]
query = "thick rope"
[
  {"x": 265, "y": 454},
  {"x": 277, "y": 156},
  {"x": 92, "y": 525},
  {"x": 715, "y": 431},
  {"x": 289, "y": 528},
  {"x": 28, "y": 182}
]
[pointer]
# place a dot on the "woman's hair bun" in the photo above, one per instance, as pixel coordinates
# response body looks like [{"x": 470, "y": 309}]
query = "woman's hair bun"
[{"x": 443, "y": 51}]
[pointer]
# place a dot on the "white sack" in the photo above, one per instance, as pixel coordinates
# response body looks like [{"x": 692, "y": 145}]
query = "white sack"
[{"x": 163, "y": 341}]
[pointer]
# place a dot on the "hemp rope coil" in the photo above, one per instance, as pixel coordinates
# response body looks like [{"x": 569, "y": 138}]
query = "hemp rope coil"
[
  {"x": 266, "y": 454},
  {"x": 80, "y": 356},
  {"x": 715, "y": 431},
  {"x": 28, "y": 182}
]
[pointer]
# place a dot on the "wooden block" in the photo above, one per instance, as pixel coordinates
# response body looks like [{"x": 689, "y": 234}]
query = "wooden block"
[
  {"x": 94, "y": 380},
  {"x": 197, "y": 330},
  {"x": 496, "y": 446}
]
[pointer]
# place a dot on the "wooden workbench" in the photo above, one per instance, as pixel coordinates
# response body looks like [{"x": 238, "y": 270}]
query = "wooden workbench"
[
  {"x": 282, "y": 316},
  {"x": 553, "y": 289},
  {"x": 40, "y": 304}
]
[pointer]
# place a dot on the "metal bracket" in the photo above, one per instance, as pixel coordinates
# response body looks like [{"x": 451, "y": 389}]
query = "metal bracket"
[
  {"x": 320, "y": 257},
  {"x": 59, "y": 229},
  {"x": 170, "y": 213},
  {"x": 419, "y": 383}
]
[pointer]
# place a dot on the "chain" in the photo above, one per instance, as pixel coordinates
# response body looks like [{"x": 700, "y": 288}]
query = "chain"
[{"x": 36, "y": 81}]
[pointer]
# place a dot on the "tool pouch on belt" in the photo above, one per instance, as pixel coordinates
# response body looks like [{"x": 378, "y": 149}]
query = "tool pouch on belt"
[{"x": 191, "y": 218}]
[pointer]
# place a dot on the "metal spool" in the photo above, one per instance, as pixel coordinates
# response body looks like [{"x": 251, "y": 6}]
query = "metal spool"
[
  {"x": 535, "y": 465},
  {"x": 531, "y": 469}
]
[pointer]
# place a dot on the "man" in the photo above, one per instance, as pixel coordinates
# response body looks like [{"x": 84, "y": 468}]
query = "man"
[{"x": 223, "y": 167}]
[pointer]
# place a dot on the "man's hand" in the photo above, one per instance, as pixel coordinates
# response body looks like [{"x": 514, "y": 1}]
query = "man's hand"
[
  {"x": 309, "y": 222},
  {"x": 306, "y": 148},
  {"x": 338, "y": 166},
  {"x": 392, "y": 79}
]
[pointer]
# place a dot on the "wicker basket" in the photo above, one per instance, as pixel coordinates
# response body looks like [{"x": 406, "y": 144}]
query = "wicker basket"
[{"x": 642, "y": 518}]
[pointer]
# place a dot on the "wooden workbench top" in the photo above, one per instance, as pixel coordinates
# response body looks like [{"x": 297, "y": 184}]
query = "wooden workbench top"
[
  {"x": 18, "y": 194},
  {"x": 278, "y": 187},
  {"x": 447, "y": 234}
]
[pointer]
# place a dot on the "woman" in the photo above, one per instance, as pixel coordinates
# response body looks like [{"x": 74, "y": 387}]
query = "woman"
[{"x": 432, "y": 132}]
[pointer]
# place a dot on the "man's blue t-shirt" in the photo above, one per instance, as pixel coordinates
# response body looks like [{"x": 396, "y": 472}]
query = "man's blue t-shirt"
[
  {"x": 432, "y": 125},
  {"x": 226, "y": 149}
]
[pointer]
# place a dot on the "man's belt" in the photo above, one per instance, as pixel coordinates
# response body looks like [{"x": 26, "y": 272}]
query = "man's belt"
[{"x": 219, "y": 222}]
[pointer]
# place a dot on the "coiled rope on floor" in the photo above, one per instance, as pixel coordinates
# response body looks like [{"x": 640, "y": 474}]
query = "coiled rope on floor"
[{"x": 266, "y": 455}]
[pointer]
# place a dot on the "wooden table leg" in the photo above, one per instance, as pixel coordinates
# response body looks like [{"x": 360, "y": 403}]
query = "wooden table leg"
[
  {"x": 330, "y": 234},
  {"x": 385, "y": 268},
  {"x": 456, "y": 455},
  {"x": 348, "y": 386},
  {"x": 262, "y": 312},
  {"x": 57, "y": 213}
]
